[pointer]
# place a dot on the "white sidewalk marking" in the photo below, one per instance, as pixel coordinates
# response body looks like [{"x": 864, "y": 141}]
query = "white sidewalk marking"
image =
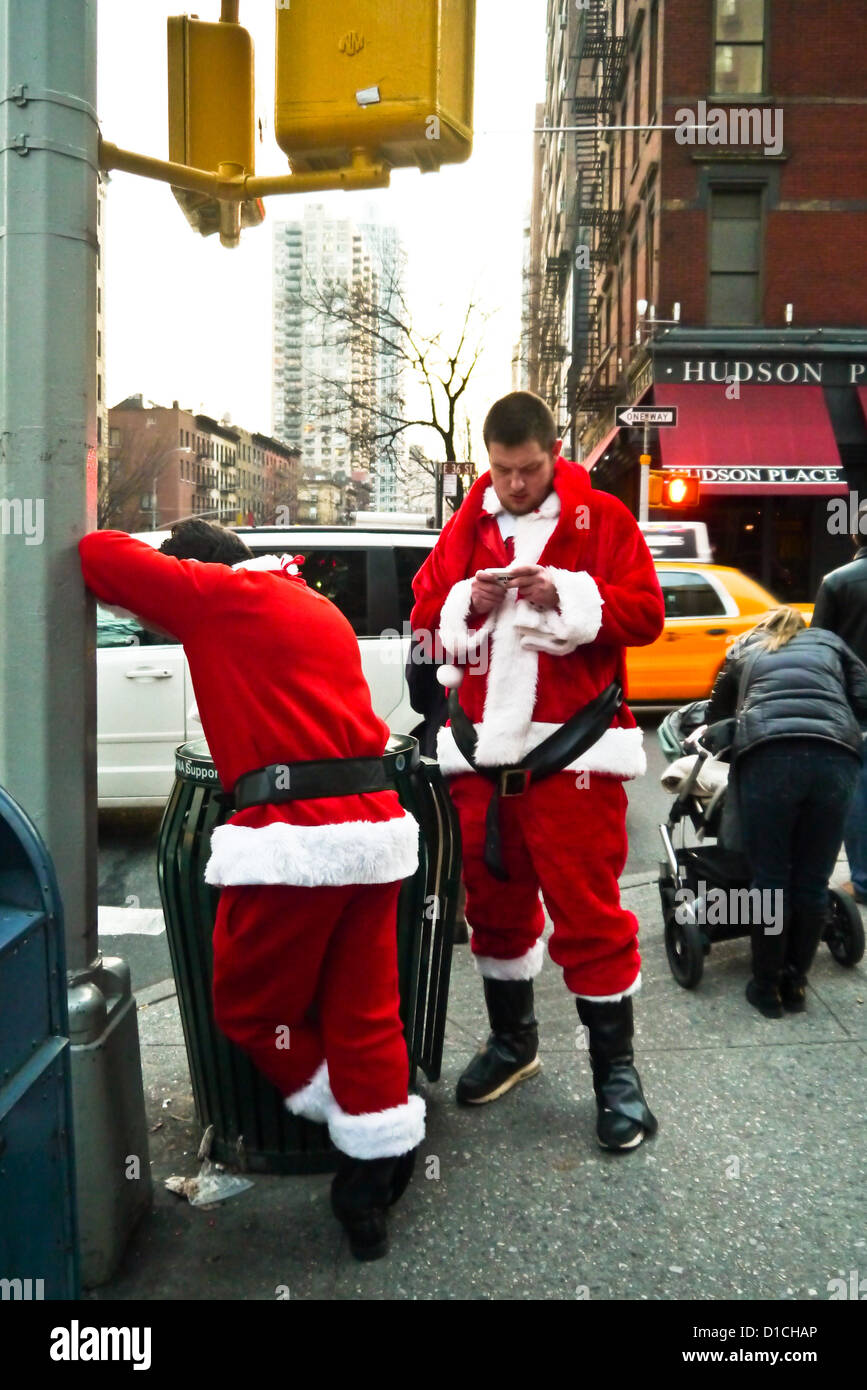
[{"x": 131, "y": 921}]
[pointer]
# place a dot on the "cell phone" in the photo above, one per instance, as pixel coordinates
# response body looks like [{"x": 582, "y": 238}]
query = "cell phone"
[{"x": 502, "y": 576}]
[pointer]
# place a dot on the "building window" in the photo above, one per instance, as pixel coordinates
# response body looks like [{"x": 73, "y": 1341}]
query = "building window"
[
  {"x": 653, "y": 60},
  {"x": 739, "y": 46},
  {"x": 649, "y": 247},
  {"x": 99, "y": 387},
  {"x": 735, "y": 256},
  {"x": 633, "y": 287},
  {"x": 114, "y": 439}
]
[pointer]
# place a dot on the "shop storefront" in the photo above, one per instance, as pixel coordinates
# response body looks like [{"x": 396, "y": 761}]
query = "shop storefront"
[{"x": 774, "y": 426}]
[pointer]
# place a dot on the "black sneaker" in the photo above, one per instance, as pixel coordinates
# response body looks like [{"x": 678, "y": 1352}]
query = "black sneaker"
[{"x": 765, "y": 998}]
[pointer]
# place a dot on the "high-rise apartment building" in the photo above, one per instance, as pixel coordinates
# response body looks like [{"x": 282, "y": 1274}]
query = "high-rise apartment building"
[{"x": 337, "y": 387}]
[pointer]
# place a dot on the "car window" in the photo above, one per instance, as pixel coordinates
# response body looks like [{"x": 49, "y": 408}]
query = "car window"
[
  {"x": 341, "y": 576},
  {"x": 408, "y": 559},
  {"x": 112, "y": 630},
  {"x": 689, "y": 595}
]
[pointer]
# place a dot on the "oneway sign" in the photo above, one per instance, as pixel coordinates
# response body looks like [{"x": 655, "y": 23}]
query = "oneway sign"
[{"x": 638, "y": 415}]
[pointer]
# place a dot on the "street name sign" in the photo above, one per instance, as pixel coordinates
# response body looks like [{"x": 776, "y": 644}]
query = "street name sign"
[{"x": 646, "y": 415}]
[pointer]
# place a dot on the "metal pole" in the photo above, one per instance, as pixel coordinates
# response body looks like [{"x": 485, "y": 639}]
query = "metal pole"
[
  {"x": 48, "y": 498},
  {"x": 644, "y": 482}
]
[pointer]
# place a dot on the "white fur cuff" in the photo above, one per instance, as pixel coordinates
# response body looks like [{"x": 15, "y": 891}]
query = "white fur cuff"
[
  {"x": 525, "y": 967},
  {"x": 314, "y": 856},
  {"x": 460, "y": 643},
  {"x": 580, "y": 604},
  {"x": 613, "y": 998},
  {"x": 383, "y": 1134},
  {"x": 314, "y": 1101}
]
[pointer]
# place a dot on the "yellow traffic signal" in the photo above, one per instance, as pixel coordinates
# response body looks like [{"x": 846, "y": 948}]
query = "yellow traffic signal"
[
  {"x": 393, "y": 80},
  {"x": 211, "y": 113}
]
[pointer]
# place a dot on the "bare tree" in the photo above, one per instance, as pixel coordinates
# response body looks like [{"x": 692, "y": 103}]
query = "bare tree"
[
  {"x": 380, "y": 346},
  {"x": 132, "y": 472}
]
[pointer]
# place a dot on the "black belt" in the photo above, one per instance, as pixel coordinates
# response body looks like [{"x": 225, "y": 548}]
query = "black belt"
[
  {"x": 329, "y": 777},
  {"x": 552, "y": 755}
]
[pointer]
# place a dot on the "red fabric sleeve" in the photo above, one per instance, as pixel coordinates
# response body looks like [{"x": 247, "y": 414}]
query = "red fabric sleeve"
[
  {"x": 158, "y": 588},
  {"x": 633, "y": 609},
  {"x": 432, "y": 585}
]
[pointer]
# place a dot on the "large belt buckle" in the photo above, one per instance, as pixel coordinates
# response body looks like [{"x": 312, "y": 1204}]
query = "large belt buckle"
[{"x": 514, "y": 781}]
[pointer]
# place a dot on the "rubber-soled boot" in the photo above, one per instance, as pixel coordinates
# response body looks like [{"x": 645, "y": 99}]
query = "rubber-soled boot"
[
  {"x": 510, "y": 1054},
  {"x": 763, "y": 990},
  {"x": 802, "y": 944},
  {"x": 362, "y": 1190},
  {"x": 624, "y": 1118}
]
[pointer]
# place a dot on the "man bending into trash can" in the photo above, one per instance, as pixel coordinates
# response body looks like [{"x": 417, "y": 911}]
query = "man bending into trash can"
[
  {"x": 311, "y": 863},
  {"x": 536, "y": 586}
]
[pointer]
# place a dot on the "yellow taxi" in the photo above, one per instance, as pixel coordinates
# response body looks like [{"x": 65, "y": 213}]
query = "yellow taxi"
[{"x": 706, "y": 608}]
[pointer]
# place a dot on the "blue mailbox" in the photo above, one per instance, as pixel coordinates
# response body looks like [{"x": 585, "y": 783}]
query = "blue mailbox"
[{"x": 38, "y": 1235}]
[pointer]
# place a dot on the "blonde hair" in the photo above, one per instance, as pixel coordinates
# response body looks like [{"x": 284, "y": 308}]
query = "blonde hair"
[{"x": 779, "y": 627}]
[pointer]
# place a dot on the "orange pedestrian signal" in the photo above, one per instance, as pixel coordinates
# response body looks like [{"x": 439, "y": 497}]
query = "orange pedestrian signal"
[{"x": 680, "y": 491}]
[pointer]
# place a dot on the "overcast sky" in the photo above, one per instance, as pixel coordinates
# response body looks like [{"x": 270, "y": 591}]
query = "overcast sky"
[{"x": 190, "y": 320}]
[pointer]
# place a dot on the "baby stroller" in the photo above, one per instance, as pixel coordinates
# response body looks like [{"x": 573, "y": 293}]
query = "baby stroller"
[{"x": 697, "y": 812}]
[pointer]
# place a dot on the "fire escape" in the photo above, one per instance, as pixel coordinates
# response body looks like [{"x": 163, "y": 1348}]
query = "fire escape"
[{"x": 599, "y": 63}]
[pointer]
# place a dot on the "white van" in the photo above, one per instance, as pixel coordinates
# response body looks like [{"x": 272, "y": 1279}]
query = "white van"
[{"x": 146, "y": 704}]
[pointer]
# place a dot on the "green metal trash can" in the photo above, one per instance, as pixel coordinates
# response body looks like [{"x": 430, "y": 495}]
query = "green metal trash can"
[{"x": 252, "y": 1128}]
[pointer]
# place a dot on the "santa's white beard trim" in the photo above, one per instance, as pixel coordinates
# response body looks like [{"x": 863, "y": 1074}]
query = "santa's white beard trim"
[
  {"x": 525, "y": 967},
  {"x": 382, "y": 1134},
  {"x": 314, "y": 1101},
  {"x": 314, "y": 856},
  {"x": 613, "y": 998},
  {"x": 618, "y": 753}
]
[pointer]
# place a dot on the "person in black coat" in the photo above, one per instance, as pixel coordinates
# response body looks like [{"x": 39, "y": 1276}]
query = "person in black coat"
[
  {"x": 796, "y": 757},
  {"x": 841, "y": 607}
]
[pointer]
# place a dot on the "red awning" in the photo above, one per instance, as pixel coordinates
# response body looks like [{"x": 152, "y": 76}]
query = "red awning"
[
  {"x": 601, "y": 448},
  {"x": 767, "y": 439}
]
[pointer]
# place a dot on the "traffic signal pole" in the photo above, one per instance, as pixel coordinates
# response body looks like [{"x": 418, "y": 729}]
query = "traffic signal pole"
[
  {"x": 48, "y": 485},
  {"x": 644, "y": 480}
]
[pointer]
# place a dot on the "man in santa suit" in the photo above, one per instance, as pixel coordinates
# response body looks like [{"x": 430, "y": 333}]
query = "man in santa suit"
[
  {"x": 305, "y": 935},
  {"x": 529, "y": 649}
]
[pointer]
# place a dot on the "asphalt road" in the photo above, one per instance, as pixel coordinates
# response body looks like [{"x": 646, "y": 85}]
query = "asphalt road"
[{"x": 128, "y": 875}]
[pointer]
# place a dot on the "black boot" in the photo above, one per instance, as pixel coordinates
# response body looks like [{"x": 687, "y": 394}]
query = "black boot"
[
  {"x": 801, "y": 946},
  {"x": 362, "y": 1190},
  {"x": 763, "y": 990},
  {"x": 624, "y": 1117},
  {"x": 509, "y": 1056}
]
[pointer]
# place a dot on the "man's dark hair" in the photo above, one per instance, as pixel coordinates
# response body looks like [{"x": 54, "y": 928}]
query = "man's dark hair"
[
  {"x": 204, "y": 540},
  {"x": 518, "y": 418}
]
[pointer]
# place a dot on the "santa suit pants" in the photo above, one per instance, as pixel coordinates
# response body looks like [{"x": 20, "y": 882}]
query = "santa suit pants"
[
  {"x": 306, "y": 982},
  {"x": 565, "y": 835}
]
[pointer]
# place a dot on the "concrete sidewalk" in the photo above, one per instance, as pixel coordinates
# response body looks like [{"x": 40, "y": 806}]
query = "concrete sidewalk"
[{"x": 752, "y": 1189}]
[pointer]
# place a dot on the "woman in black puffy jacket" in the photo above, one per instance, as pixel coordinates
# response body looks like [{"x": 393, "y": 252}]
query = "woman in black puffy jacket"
[{"x": 796, "y": 756}]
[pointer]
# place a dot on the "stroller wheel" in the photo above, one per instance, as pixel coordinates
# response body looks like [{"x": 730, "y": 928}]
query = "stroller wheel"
[
  {"x": 684, "y": 946},
  {"x": 845, "y": 930}
]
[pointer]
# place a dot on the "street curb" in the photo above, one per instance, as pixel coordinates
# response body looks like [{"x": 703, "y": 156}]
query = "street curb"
[{"x": 155, "y": 994}]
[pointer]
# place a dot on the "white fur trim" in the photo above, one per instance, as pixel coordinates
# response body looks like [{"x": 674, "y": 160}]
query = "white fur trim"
[
  {"x": 525, "y": 967},
  {"x": 580, "y": 604},
  {"x": 618, "y": 753},
  {"x": 450, "y": 676},
  {"x": 613, "y": 998},
  {"x": 456, "y": 637},
  {"x": 382, "y": 1134},
  {"x": 314, "y": 856},
  {"x": 547, "y": 508},
  {"x": 260, "y": 562},
  {"x": 314, "y": 1101}
]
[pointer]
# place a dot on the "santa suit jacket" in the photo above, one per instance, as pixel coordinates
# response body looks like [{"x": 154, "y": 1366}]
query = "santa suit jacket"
[
  {"x": 277, "y": 676},
  {"x": 522, "y": 673}
]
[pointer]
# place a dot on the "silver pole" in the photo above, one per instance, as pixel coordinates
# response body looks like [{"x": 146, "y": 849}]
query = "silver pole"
[
  {"x": 48, "y": 494},
  {"x": 644, "y": 483}
]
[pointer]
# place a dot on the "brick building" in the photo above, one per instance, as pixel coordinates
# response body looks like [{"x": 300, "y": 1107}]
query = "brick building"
[
  {"x": 708, "y": 254},
  {"x": 169, "y": 463}
]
